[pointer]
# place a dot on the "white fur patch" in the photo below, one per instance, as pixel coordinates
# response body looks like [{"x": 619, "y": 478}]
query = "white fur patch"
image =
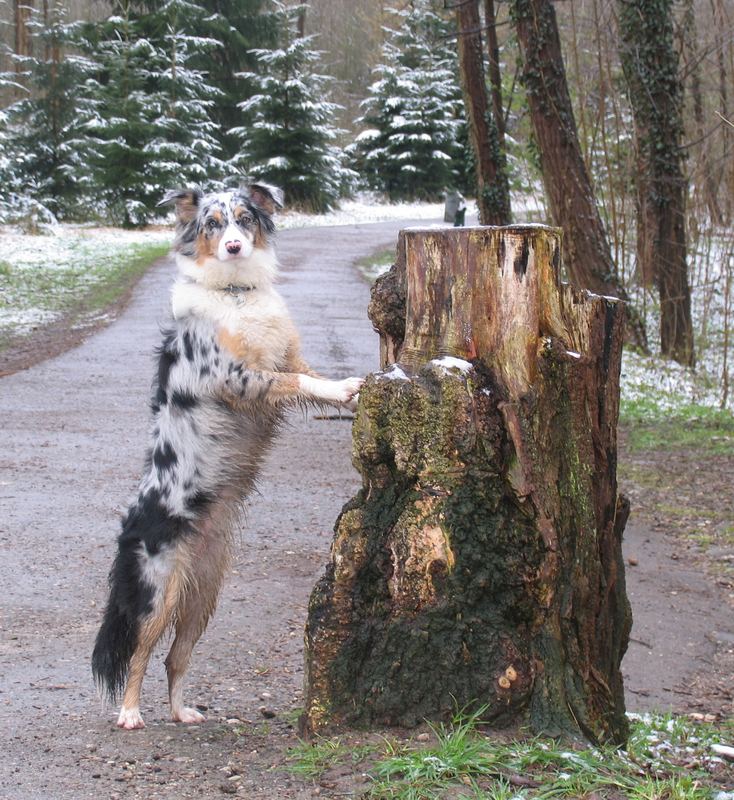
[
  {"x": 258, "y": 268},
  {"x": 130, "y": 719},
  {"x": 340, "y": 392},
  {"x": 156, "y": 569},
  {"x": 233, "y": 234}
]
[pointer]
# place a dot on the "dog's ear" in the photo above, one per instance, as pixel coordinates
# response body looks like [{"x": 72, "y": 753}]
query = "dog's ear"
[
  {"x": 267, "y": 197},
  {"x": 186, "y": 202}
]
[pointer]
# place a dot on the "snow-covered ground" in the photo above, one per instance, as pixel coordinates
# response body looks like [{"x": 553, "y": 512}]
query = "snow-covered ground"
[
  {"x": 40, "y": 276},
  {"x": 359, "y": 212},
  {"x": 664, "y": 387}
]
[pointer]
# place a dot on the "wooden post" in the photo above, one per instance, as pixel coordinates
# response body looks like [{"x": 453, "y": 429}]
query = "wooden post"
[{"x": 480, "y": 564}]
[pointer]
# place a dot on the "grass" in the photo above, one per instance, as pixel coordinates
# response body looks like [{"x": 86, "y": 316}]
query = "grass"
[
  {"x": 313, "y": 759},
  {"x": 710, "y": 430},
  {"x": 667, "y": 758},
  {"x": 376, "y": 264},
  {"x": 74, "y": 276},
  {"x": 677, "y": 455}
]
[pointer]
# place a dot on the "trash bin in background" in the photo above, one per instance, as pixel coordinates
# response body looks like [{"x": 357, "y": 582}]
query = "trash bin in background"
[{"x": 454, "y": 209}]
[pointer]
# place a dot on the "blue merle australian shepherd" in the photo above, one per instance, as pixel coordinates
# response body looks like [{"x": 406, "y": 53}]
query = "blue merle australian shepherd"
[{"x": 228, "y": 367}]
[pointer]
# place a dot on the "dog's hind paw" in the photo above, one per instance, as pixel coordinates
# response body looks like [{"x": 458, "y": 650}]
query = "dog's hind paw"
[
  {"x": 130, "y": 719},
  {"x": 188, "y": 715}
]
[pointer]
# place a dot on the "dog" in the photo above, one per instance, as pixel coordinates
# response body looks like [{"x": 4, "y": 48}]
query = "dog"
[{"x": 228, "y": 367}]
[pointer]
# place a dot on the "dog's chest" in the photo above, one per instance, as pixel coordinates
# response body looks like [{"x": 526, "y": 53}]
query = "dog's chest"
[
  {"x": 260, "y": 341},
  {"x": 254, "y": 328}
]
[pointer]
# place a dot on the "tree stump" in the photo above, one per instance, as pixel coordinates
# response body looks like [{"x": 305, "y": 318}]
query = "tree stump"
[{"x": 480, "y": 564}]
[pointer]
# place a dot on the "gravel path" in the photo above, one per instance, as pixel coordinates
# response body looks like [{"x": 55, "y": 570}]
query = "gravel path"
[{"x": 71, "y": 447}]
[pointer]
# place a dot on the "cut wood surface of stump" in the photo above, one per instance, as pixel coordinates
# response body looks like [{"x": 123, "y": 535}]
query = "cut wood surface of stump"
[{"x": 480, "y": 564}]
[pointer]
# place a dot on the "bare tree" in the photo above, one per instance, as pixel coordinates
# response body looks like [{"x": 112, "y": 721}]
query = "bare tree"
[
  {"x": 493, "y": 191},
  {"x": 495, "y": 76},
  {"x": 650, "y": 65},
  {"x": 23, "y": 9}
]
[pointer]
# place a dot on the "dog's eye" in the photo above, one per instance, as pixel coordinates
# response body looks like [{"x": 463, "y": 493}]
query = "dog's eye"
[
  {"x": 244, "y": 219},
  {"x": 212, "y": 224}
]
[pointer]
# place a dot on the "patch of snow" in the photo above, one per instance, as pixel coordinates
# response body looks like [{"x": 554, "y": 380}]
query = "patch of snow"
[
  {"x": 65, "y": 246},
  {"x": 40, "y": 271},
  {"x": 392, "y": 373},
  {"x": 449, "y": 362},
  {"x": 360, "y": 211},
  {"x": 367, "y": 135},
  {"x": 609, "y": 297},
  {"x": 666, "y": 384},
  {"x": 22, "y": 320}
]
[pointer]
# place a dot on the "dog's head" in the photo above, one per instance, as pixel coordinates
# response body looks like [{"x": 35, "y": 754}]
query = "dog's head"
[{"x": 223, "y": 226}]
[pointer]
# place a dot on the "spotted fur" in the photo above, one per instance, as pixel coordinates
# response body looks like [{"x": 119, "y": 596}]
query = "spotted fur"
[{"x": 228, "y": 366}]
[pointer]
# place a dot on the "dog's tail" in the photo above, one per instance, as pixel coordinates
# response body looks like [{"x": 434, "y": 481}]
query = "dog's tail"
[
  {"x": 118, "y": 634},
  {"x": 146, "y": 528}
]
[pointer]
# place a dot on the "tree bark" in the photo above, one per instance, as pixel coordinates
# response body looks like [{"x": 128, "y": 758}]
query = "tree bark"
[
  {"x": 495, "y": 76},
  {"x": 650, "y": 66},
  {"x": 708, "y": 183},
  {"x": 22, "y": 10},
  {"x": 480, "y": 564},
  {"x": 588, "y": 257},
  {"x": 493, "y": 191}
]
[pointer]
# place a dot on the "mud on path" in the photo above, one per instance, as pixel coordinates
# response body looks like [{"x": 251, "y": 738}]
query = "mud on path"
[{"x": 71, "y": 448}]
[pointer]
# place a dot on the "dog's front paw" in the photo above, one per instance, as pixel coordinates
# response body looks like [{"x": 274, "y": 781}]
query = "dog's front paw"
[{"x": 349, "y": 392}]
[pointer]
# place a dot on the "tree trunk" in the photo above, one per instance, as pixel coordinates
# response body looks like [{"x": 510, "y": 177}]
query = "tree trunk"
[
  {"x": 480, "y": 564},
  {"x": 23, "y": 10},
  {"x": 650, "y": 66},
  {"x": 568, "y": 186},
  {"x": 495, "y": 76},
  {"x": 493, "y": 191},
  {"x": 708, "y": 182}
]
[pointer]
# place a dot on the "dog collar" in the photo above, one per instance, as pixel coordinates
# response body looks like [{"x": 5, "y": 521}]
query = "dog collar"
[{"x": 234, "y": 290}]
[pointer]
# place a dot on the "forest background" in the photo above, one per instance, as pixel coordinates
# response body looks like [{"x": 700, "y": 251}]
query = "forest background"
[
  {"x": 361, "y": 105},
  {"x": 105, "y": 106}
]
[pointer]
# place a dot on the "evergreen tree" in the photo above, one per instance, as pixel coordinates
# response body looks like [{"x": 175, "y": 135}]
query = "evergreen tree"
[
  {"x": 413, "y": 112},
  {"x": 7, "y": 167},
  {"x": 46, "y": 141},
  {"x": 153, "y": 129},
  {"x": 290, "y": 141},
  {"x": 240, "y": 26}
]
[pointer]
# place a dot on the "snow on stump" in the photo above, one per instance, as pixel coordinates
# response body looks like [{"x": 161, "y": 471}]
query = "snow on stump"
[{"x": 480, "y": 564}]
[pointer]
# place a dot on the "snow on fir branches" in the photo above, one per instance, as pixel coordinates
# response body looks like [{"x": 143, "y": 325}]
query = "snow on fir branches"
[
  {"x": 45, "y": 148},
  {"x": 290, "y": 138},
  {"x": 413, "y": 114},
  {"x": 153, "y": 129}
]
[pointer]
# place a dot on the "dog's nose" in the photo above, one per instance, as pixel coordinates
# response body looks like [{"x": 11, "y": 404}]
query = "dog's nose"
[{"x": 233, "y": 247}]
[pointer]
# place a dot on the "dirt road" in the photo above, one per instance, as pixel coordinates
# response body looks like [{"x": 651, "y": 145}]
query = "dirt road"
[{"x": 71, "y": 447}]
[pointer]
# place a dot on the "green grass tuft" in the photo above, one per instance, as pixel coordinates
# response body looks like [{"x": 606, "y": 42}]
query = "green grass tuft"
[
  {"x": 650, "y": 428},
  {"x": 668, "y": 758},
  {"x": 374, "y": 265},
  {"x": 312, "y": 759}
]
